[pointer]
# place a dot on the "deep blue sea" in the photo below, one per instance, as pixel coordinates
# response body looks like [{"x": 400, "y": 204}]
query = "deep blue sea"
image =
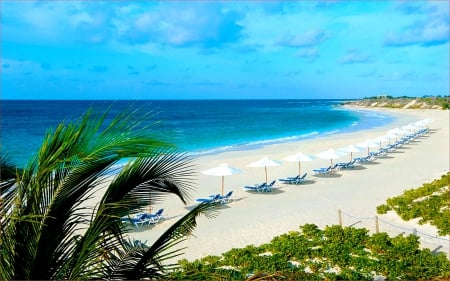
[{"x": 198, "y": 126}]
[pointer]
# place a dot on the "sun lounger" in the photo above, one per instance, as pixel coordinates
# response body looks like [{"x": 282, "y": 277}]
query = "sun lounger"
[
  {"x": 347, "y": 165},
  {"x": 327, "y": 170},
  {"x": 294, "y": 180},
  {"x": 156, "y": 217},
  {"x": 210, "y": 199},
  {"x": 368, "y": 158},
  {"x": 142, "y": 219},
  {"x": 264, "y": 187},
  {"x": 225, "y": 198}
]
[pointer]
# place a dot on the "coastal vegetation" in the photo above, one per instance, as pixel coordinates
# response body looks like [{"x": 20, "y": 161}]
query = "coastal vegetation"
[
  {"x": 334, "y": 253},
  {"x": 61, "y": 215},
  {"x": 341, "y": 253},
  {"x": 430, "y": 203},
  {"x": 425, "y": 102}
]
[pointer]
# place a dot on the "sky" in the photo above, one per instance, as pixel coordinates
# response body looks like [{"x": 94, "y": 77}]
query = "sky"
[{"x": 223, "y": 49}]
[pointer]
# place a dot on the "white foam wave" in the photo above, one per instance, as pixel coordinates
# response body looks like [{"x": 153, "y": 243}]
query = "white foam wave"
[{"x": 253, "y": 144}]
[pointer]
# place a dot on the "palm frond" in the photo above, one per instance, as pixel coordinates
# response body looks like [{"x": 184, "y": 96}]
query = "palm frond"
[
  {"x": 131, "y": 190},
  {"x": 50, "y": 230},
  {"x": 162, "y": 248},
  {"x": 8, "y": 170}
]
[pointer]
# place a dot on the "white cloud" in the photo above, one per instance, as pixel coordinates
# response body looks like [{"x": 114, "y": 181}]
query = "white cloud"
[
  {"x": 429, "y": 26},
  {"x": 354, "y": 56}
]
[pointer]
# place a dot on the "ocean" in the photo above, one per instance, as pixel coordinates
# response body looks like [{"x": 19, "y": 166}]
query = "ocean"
[{"x": 197, "y": 126}]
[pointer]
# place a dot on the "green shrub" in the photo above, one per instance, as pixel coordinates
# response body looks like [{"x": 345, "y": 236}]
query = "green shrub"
[
  {"x": 430, "y": 203},
  {"x": 335, "y": 253}
]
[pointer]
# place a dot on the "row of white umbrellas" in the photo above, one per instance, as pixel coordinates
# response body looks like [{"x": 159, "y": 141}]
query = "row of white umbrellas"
[{"x": 225, "y": 170}]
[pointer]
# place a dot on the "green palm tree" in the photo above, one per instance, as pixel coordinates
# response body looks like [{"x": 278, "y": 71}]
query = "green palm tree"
[{"x": 50, "y": 231}]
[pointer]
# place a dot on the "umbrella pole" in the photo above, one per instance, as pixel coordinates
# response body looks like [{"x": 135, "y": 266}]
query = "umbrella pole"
[
  {"x": 265, "y": 168},
  {"x": 299, "y": 169},
  {"x": 223, "y": 181}
]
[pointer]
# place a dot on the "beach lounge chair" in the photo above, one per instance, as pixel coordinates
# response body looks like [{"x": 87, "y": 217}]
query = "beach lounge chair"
[
  {"x": 156, "y": 217},
  {"x": 347, "y": 165},
  {"x": 210, "y": 199},
  {"x": 328, "y": 170},
  {"x": 226, "y": 198},
  {"x": 294, "y": 180},
  {"x": 137, "y": 221},
  {"x": 268, "y": 187},
  {"x": 368, "y": 158},
  {"x": 264, "y": 187},
  {"x": 321, "y": 171},
  {"x": 142, "y": 219}
]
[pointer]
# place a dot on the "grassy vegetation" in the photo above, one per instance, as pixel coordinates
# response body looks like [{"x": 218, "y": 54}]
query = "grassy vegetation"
[
  {"x": 335, "y": 253},
  {"x": 425, "y": 102},
  {"x": 430, "y": 203}
]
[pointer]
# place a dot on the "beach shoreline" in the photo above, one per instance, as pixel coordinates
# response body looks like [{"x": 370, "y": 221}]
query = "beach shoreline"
[{"x": 257, "y": 218}]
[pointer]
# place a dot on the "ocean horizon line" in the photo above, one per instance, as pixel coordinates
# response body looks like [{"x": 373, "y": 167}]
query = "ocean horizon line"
[{"x": 189, "y": 99}]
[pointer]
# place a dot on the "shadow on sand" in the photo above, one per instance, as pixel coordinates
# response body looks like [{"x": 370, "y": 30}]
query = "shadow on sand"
[
  {"x": 328, "y": 175},
  {"x": 303, "y": 182},
  {"x": 354, "y": 168}
]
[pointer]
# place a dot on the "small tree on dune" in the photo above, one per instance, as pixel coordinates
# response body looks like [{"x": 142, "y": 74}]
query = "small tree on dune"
[{"x": 49, "y": 230}]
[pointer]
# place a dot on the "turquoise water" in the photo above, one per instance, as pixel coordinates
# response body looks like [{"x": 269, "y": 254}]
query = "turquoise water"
[{"x": 198, "y": 126}]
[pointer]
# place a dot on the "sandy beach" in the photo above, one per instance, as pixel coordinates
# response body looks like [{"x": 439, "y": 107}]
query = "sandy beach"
[{"x": 255, "y": 218}]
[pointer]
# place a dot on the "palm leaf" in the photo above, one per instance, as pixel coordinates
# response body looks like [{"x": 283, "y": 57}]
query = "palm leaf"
[
  {"x": 132, "y": 189},
  {"x": 50, "y": 231},
  {"x": 148, "y": 262}
]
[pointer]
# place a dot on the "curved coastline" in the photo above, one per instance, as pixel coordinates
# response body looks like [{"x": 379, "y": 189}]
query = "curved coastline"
[
  {"x": 367, "y": 119},
  {"x": 257, "y": 218}
]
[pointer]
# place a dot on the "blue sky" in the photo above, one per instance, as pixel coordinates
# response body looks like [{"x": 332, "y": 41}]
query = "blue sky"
[{"x": 243, "y": 49}]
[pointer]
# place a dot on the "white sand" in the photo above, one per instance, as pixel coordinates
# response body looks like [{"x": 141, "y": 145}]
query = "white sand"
[{"x": 257, "y": 218}]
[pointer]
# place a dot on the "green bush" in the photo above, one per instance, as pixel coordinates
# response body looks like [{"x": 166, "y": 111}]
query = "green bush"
[
  {"x": 335, "y": 253},
  {"x": 430, "y": 203}
]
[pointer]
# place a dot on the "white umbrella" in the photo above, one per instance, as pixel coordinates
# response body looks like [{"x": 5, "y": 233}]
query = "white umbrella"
[
  {"x": 410, "y": 127},
  {"x": 221, "y": 171},
  {"x": 385, "y": 138},
  {"x": 350, "y": 148},
  {"x": 425, "y": 122},
  {"x": 368, "y": 144},
  {"x": 396, "y": 132},
  {"x": 265, "y": 162},
  {"x": 299, "y": 157},
  {"x": 330, "y": 154}
]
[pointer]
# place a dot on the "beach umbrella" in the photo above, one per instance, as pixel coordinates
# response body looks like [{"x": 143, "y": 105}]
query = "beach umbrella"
[
  {"x": 396, "y": 132},
  {"x": 385, "y": 138},
  {"x": 330, "y": 154},
  {"x": 350, "y": 148},
  {"x": 425, "y": 122},
  {"x": 299, "y": 157},
  {"x": 221, "y": 171},
  {"x": 411, "y": 126},
  {"x": 368, "y": 144},
  {"x": 388, "y": 138},
  {"x": 265, "y": 162}
]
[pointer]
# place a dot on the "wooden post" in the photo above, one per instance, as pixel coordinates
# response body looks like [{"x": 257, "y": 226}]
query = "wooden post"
[
  {"x": 340, "y": 217},
  {"x": 377, "y": 225}
]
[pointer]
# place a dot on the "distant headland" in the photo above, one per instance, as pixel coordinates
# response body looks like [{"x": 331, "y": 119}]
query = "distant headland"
[{"x": 426, "y": 102}]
